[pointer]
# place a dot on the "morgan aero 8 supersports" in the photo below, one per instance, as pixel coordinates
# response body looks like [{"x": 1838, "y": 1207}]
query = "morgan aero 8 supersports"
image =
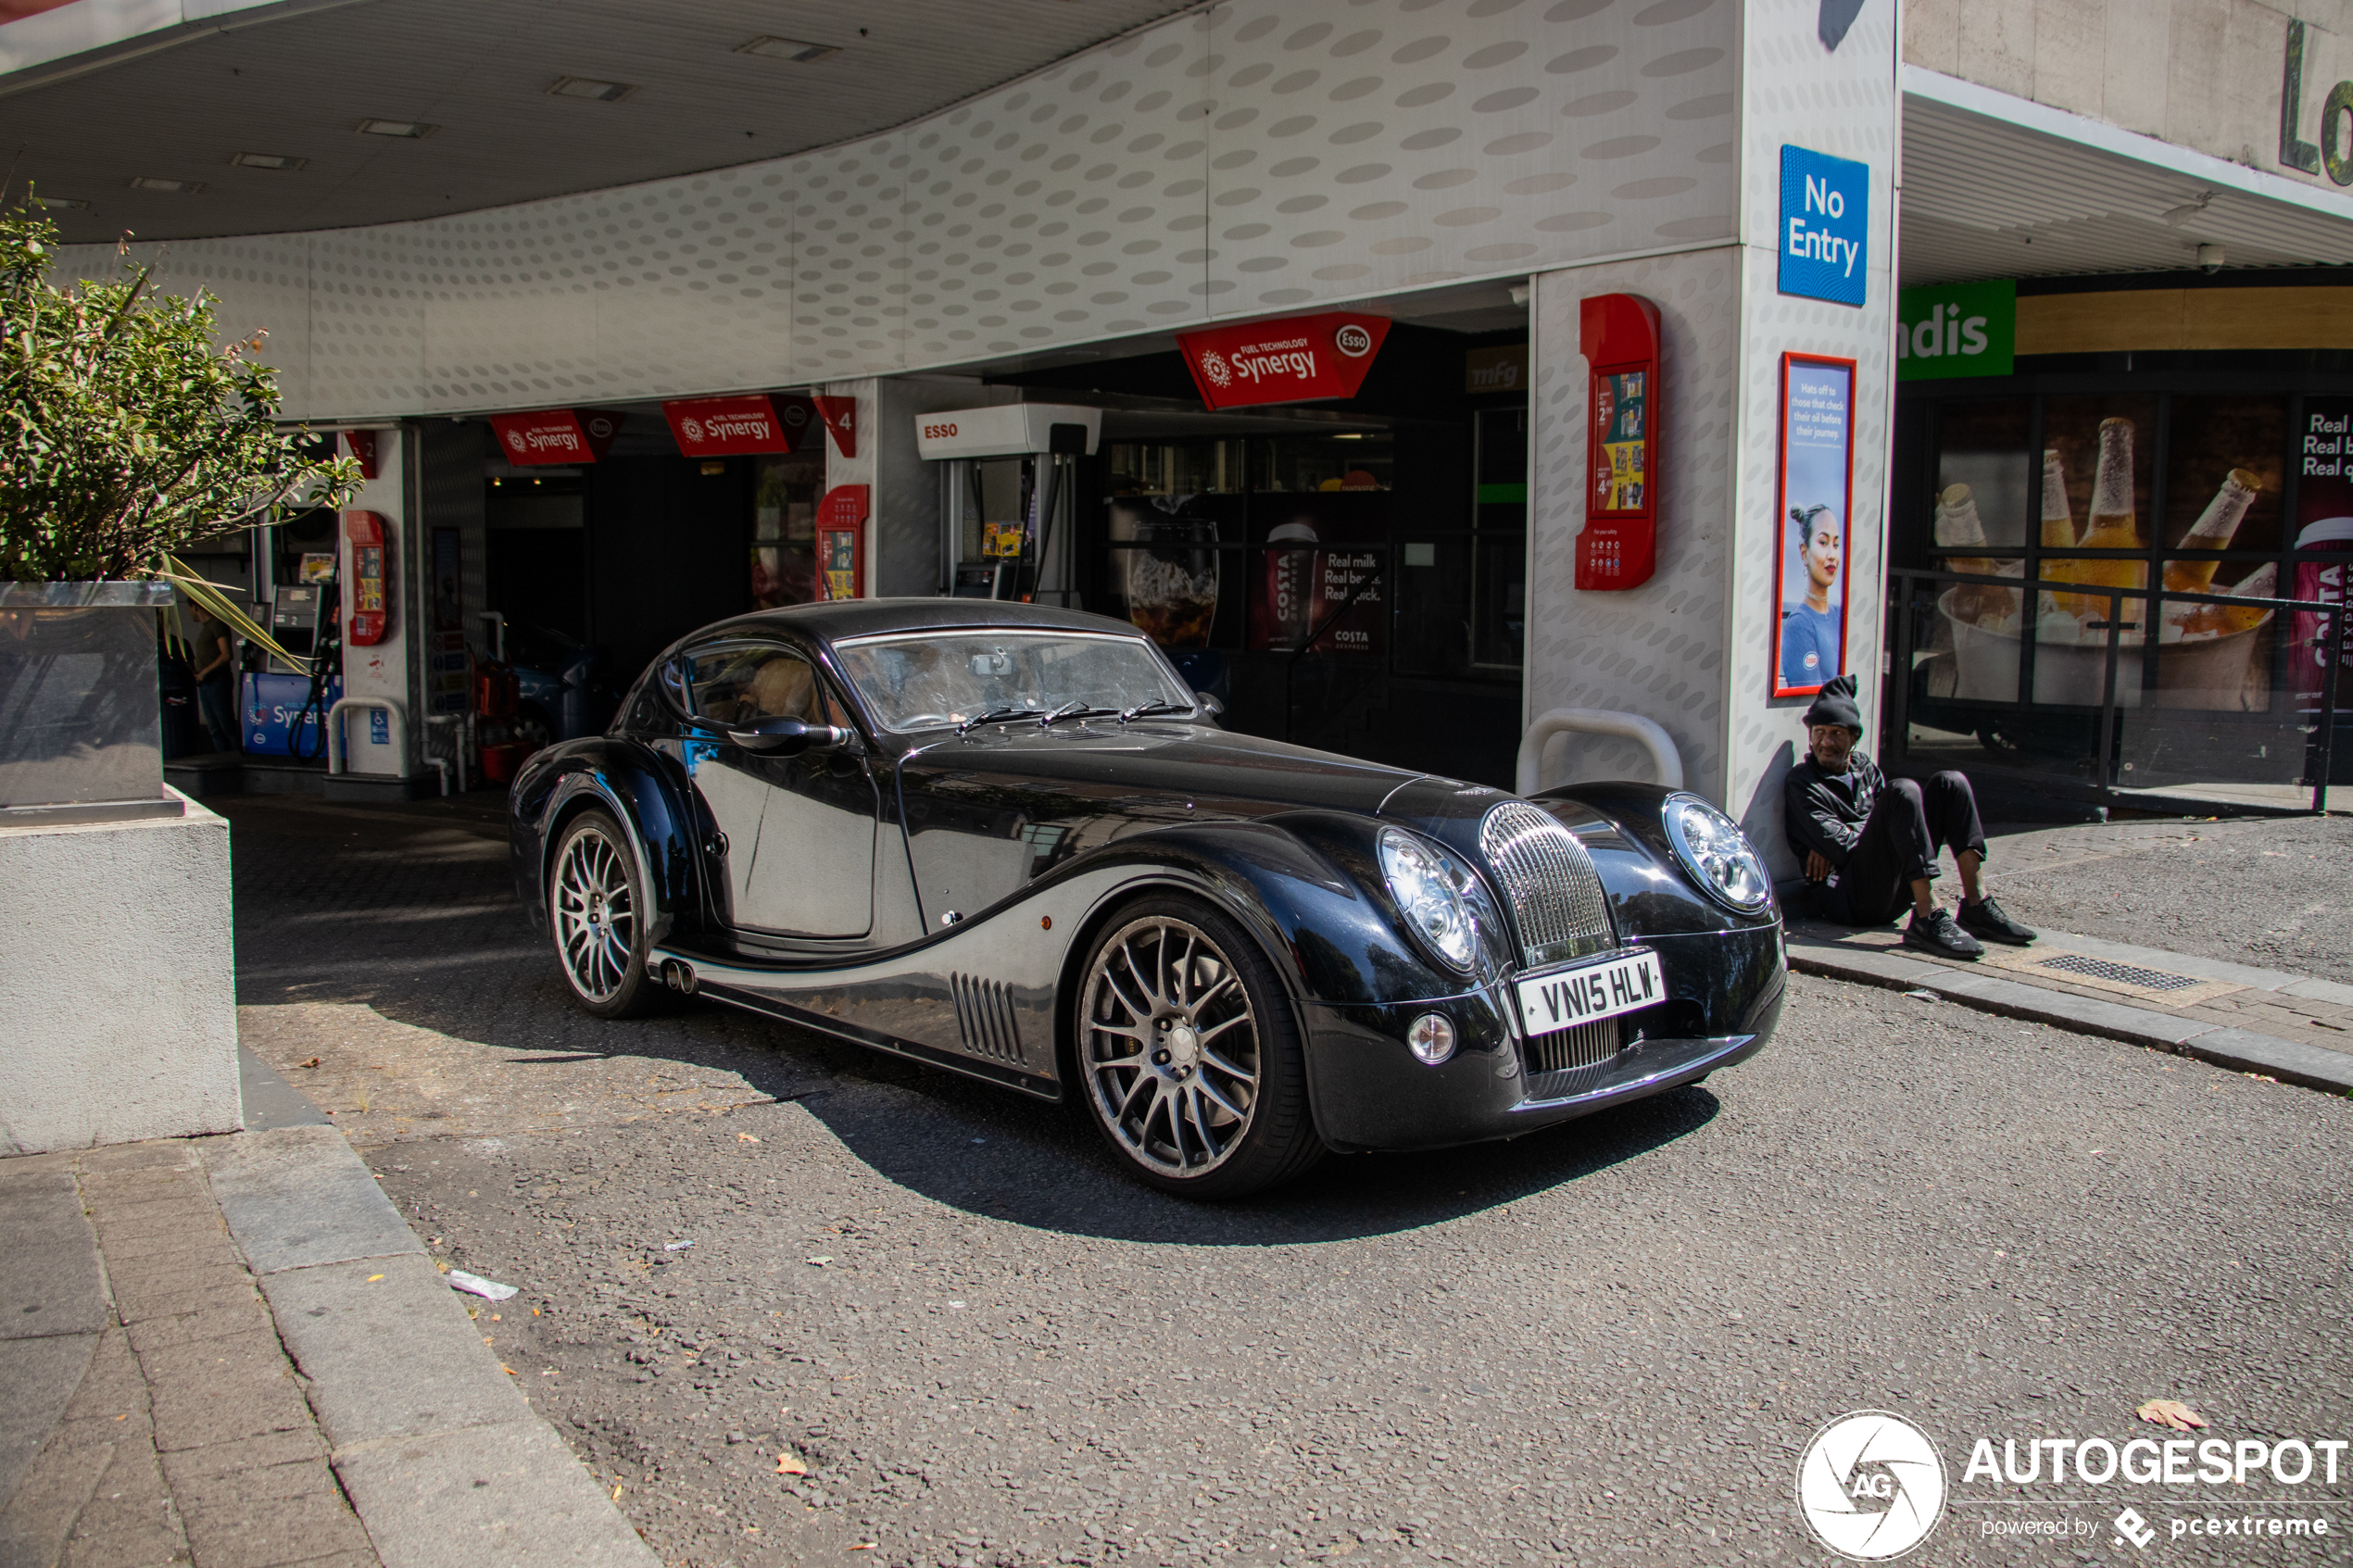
[{"x": 1011, "y": 842}]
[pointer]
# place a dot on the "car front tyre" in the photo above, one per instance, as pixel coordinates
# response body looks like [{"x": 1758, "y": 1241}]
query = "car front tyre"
[
  {"x": 597, "y": 917},
  {"x": 1187, "y": 1053}
]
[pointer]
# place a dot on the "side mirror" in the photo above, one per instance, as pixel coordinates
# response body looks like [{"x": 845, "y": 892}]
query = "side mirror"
[
  {"x": 787, "y": 737},
  {"x": 1210, "y": 707}
]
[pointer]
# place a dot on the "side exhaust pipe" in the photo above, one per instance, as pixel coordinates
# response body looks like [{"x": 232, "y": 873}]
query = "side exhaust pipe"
[{"x": 679, "y": 975}]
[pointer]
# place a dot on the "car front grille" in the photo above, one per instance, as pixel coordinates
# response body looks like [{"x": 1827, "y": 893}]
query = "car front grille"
[
  {"x": 1568, "y": 1061},
  {"x": 1558, "y": 904}
]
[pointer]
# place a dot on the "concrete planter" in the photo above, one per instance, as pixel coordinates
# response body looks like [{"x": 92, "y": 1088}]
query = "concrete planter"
[
  {"x": 80, "y": 718},
  {"x": 118, "y": 1009}
]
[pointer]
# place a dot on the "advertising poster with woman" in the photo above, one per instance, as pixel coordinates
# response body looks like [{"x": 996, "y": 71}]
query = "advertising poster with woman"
[{"x": 1817, "y": 470}]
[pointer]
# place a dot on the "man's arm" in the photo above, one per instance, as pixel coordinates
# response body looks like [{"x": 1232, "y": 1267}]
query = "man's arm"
[{"x": 1818, "y": 821}]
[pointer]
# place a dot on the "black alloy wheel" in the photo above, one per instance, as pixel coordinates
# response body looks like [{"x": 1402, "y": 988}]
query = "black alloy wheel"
[
  {"x": 597, "y": 914},
  {"x": 1188, "y": 1055}
]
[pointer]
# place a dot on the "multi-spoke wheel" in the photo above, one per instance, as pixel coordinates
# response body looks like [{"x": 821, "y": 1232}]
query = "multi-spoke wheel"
[
  {"x": 595, "y": 917},
  {"x": 1187, "y": 1054}
]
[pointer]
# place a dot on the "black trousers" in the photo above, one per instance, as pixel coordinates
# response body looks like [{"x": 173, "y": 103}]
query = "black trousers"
[{"x": 1907, "y": 824}]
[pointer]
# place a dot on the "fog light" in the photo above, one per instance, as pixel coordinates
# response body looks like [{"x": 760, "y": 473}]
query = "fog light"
[{"x": 1432, "y": 1039}]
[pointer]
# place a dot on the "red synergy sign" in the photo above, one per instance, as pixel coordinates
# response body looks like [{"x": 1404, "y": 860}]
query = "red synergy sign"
[
  {"x": 555, "y": 435},
  {"x": 1294, "y": 360},
  {"x": 726, "y": 427}
]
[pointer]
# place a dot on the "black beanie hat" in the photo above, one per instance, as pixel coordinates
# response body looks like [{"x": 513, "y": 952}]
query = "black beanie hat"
[{"x": 1836, "y": 705}]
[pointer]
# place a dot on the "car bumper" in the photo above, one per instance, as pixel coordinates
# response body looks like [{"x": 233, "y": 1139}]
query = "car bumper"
[{"x": 1725, "y": 992}]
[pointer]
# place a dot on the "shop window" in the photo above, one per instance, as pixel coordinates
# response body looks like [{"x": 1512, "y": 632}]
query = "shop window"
[
  {"x": 1983, "y": 473},
  {"x": 783, "y": 537}
]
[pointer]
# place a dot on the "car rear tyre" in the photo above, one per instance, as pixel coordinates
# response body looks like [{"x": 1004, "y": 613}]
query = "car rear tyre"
[
  {"x": 596, "y": 915},
  {"x": 1188, "y": 1055}
]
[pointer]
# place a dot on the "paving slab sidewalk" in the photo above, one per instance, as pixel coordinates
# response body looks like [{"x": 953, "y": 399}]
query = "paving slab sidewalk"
[
  {"x": 231, "y": 1351},
  {"x": 2286, "y": 1026}
]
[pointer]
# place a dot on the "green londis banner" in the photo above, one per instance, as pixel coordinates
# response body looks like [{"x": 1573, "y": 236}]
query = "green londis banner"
[{"x": 1955, "y": 330}]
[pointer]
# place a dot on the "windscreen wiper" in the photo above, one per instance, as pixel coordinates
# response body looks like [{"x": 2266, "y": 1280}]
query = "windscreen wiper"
[
  {"x": 1147, "y": 709},
  {"x": 1074, "y": 709},
  {"x": 994, "y": 714}
]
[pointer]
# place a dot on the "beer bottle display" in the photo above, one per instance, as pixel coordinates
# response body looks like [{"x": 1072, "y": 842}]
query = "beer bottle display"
[
  {"x": 1958, "y": 527},
  {"x": 2113, "y": 526},
  {"x": 2059, "y": 518},
  {"x": 2216, "y": 527},
  {"x": 2221, "y": 620}
]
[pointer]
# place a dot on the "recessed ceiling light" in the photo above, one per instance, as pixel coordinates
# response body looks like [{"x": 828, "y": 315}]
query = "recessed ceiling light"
[
  {"x": 583, "y": 87},
  {"x": 410, "y": 128},
  {"x": 184, "y": 187},
  {"x": 785, "y": 49},
  {"x": 267, "y": 160},
  {"x": 62, "y": 204}
]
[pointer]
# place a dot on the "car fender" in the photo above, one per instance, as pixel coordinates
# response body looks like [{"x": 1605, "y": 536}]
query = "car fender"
[{"x": 629, "y": 780}]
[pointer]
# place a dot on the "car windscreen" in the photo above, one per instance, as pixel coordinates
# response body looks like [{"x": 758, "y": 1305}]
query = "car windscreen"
[{"x": 940, "y": 678}]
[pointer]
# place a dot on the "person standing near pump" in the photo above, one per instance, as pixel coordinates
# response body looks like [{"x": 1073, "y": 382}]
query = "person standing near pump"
[
  {"x": 1870, "y": 842},
  {"x": 216, "y": 679}
]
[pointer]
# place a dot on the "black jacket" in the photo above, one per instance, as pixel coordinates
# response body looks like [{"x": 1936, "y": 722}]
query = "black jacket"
[{"x": 1825, "y": 811}]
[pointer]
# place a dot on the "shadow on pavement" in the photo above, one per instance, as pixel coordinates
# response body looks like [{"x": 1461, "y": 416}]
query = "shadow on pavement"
[{"x": 410, "y": 911}]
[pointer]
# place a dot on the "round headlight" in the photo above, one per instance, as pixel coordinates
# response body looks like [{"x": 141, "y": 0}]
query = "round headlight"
[
  {"x": 1429, "y": 891},
  {"x": 1717, "y": 853}
]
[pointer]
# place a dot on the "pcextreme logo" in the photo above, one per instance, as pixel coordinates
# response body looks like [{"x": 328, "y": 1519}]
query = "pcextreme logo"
[{"x": 1870, "y": 1485}]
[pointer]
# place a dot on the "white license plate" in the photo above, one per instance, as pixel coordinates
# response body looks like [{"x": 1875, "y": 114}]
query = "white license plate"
[{"x": 1563, "y": 998}]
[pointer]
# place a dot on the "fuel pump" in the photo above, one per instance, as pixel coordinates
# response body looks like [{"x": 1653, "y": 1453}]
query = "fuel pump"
[
  {"x": 990, "y": 561},
  {"x": 326, "y": 675}
]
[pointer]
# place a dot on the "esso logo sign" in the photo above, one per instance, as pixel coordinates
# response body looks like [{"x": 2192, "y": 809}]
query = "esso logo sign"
[
  {"x": 1353, "y": 341},
  {"x": 939, "y": 432},
  {"x": 601, "y": 427}
]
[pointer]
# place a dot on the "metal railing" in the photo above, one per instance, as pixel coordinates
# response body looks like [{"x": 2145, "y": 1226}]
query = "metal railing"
[{"x": 2139, "y": 673}]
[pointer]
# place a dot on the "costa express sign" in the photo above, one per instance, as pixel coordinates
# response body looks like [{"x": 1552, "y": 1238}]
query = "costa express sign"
[
  {"x": 726, "y": 427},
  {"x": 1294, "y": 360},
  {"x": 555, "y": 435}
]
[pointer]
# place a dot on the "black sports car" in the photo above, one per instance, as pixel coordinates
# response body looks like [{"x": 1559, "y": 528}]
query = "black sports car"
[{"x": 1010, "y": 841}]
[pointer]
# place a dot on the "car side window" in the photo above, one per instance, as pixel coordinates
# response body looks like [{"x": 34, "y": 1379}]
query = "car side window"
[{"x": 745, "y": 683}]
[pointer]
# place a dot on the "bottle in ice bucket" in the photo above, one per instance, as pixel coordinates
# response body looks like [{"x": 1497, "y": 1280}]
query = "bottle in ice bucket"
[
  {"x": 2216, "y": 527},
  {"x": 2322, "y": 580},
  {"x": 2059, "y": 518},
  {"x": 2113, "y": 526},
  {"x": 1294, "y": 575},
  {"x": 1958, "y": 527}
]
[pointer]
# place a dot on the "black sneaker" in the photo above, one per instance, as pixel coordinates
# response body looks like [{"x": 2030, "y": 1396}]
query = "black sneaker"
[
  {"x": 1935, "y": 933},
  {"x": 1986, "y": 919}
]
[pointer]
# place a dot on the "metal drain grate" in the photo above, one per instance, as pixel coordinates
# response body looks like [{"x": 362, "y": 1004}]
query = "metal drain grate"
[{"x": 2122, "y": 974}]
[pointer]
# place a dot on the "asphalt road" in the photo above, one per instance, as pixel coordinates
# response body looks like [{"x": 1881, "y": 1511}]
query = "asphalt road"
[
  {"x": 1607, "y": 1343},
  {"x": 2276, "y": 892}
]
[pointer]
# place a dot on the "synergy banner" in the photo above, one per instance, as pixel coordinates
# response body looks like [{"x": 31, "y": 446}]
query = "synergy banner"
[
  {"x": 727, "y": 427},
  {"x": 1298, "y": 359},
  {"x": 555, "y": 435}
]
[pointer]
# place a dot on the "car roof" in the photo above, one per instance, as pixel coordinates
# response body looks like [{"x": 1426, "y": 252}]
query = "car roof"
[{"x": 843, "y": 618}]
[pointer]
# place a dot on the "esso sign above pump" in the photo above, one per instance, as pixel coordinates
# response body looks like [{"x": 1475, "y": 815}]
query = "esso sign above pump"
[{"x": 1009, "y": 429}]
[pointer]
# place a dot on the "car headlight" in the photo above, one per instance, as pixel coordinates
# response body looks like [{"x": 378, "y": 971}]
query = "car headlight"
[
  {"x": 1428, "y": 887},
  {"x": 1717, "y": 853}
]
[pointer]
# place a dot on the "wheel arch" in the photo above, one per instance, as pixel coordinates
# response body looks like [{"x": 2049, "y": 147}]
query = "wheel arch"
[{"x": 663, "y": 838}]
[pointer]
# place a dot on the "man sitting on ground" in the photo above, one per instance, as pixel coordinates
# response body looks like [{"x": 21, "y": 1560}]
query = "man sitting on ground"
[{"x": 1868, "y": 843}]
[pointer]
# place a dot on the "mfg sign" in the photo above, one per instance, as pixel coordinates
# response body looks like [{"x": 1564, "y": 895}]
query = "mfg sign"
[{"x": 1298, "y": 359}]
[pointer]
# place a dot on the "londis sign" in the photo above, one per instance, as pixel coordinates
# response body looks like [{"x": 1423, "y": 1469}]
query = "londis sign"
[
  {"x": 1298, "y": 359},
  {"x": 1955, "y": 330}
]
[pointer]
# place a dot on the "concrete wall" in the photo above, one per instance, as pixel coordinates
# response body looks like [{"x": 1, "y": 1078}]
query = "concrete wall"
[
  {"x": 2199, "y": 73},
  {"x": 118, "y": 1010}
]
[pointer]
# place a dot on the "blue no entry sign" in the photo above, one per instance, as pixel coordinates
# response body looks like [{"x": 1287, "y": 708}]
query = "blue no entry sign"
[{"x": 1826, "y": 226}]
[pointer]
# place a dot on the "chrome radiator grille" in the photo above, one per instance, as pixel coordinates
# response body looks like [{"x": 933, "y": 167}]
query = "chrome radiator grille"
[
  {"x": 1556, "y": 898},
  {"x": 1568, "y": 1061}
]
